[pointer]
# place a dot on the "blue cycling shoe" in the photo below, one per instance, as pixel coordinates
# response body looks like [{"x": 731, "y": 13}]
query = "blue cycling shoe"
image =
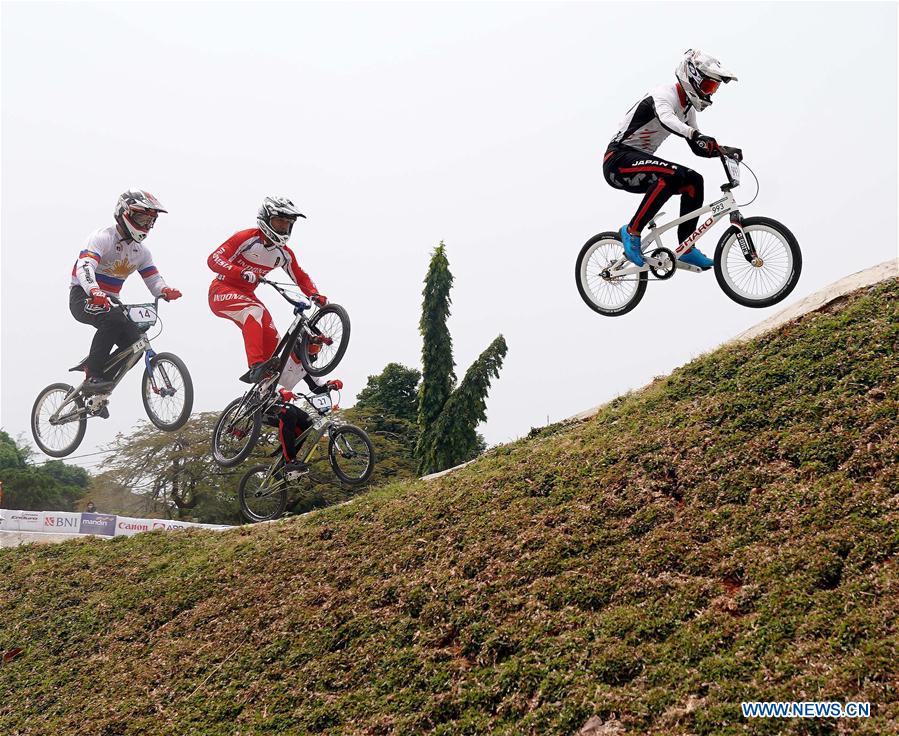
[
  {"x": 631, "y": 246},
  {"x": 696, "y": 257}
]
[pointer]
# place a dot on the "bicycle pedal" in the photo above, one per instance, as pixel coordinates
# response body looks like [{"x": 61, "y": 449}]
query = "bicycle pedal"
[{"x": 689, "y": 267}]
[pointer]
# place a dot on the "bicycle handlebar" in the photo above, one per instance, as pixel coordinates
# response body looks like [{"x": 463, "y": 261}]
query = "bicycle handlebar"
[
  {"x": 119, "y": 303},
  {"x": 730, "y": 152},
  {"x": 301, "y": 305}
]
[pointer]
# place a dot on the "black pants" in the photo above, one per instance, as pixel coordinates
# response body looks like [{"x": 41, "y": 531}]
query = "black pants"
[
  {"x": 113, "y": 328},
  {"x": 639, "y": 172},
  {"x": 288, "y": 418}
]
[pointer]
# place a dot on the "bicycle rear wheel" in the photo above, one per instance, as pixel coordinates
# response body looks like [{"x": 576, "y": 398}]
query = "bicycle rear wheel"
[
  {"x": 170, "y": 403},
  {"x": 58, "y": 439},
  {"x": 235, "y": 434},
  {"x": 351, "y": 455},
  {"x": 610, "y": 296},
  {"x": 321, "y": 352},
  {"x": 772, "y": 276},
  {"x": 262, "y": 494}
]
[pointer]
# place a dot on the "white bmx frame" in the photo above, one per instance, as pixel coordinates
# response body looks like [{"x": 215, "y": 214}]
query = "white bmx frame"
[{"x": 727, "y": 205}]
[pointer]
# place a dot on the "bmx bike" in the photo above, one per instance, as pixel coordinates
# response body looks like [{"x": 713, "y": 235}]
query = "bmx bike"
[
  {"x": 757, "y": 259},
  {"x": 60, "y": 412}
]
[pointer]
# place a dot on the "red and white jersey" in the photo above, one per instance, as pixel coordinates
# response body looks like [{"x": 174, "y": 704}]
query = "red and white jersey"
[
  {"x": 293, "y": 372},
  {"x": 247, "y": 250},
  {"x": 107, "y": 259}
]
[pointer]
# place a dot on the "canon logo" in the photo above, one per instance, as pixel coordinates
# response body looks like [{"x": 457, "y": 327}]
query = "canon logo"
[{"x": 134, "y": 527}]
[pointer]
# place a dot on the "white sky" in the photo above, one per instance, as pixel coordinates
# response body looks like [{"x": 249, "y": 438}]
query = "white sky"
[{"x": 394, "y": 126}]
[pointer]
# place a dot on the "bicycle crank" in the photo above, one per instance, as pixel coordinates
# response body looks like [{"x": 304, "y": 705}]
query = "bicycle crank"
[{"x": 662, "y": 263}]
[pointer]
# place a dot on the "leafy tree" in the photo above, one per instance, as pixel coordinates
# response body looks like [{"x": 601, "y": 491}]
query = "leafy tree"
[
  {"x": 448, "y": 416},
  {"x": 111, "y": 497},
  {"x": 173, "y": 472},
  {"x": 49, "y": 486},
  {"x": 394, "y": 392}
]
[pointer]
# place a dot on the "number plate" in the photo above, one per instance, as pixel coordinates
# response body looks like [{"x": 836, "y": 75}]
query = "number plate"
[
  {"x": 142, "y": 314},
  {"x": 733, "y": 169},
  {"x": 140, "y": 345},
  {"x": 719, "y": 206},
  {"x": 322, "y": 401}
]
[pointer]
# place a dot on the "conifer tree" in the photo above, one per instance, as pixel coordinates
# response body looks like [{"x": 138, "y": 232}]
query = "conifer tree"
[
  {"x": 448, "y": 416},
  {"x": 438, "y": 376}
]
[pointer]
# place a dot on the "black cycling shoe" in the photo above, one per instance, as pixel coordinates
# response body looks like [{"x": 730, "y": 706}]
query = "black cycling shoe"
[
  {"x": 95, "y": 385},
  {"x": 295, "y": 469},
  {"x": 258, "y": 371},
  {"x": 103, "y": 413}
]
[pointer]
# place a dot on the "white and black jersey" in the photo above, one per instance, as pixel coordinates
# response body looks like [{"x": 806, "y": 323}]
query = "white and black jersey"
[{"x": 662, "y": 111}]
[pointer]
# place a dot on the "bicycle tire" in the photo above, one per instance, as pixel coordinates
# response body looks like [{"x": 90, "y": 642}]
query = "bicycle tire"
[
  {"x": 280, "y": 496},
  {"x": 580, "y": 275},
  {"x": 36, "y": 433},
  {"x": 219, "y": 454},
  {"x": 319, "y": 368},
  {"x": 333, "y": 450},
  {"x": 188, "y": 388},
  {"x": 794, "y": 269}
]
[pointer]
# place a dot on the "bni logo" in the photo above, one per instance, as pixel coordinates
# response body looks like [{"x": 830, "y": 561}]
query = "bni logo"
[{"x": 60, "y": 522}]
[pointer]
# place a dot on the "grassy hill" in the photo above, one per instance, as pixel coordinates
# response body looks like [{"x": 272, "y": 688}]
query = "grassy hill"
[{"x": 727, "y": 534}]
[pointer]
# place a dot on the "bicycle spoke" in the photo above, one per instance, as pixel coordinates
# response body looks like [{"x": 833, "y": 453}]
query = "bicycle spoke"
[
  {"x": 758, "y": 282},
  {"x": 167, "y": 408},
  {"x": 263, "y": 494},
  {"x": 59, "y": 435},
  {"x": 351, "y": 454},
  {"x": 609, "y": 293}
]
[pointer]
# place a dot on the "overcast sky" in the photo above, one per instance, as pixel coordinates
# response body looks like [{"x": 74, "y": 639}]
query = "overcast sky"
[{"x": 394, "y": 126}]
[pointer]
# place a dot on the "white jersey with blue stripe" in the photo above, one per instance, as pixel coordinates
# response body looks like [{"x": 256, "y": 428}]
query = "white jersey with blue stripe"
[{"x": 107, "y": 259}]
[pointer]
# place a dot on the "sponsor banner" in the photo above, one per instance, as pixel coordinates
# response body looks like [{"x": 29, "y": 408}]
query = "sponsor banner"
[
  {"x": 104, "y": 524},
  {"x": 169, "y": 525},
  {"x": 21, "y": 521},
  {"x": 60, "y": 521},
  {"x": 125, "y": 526}
]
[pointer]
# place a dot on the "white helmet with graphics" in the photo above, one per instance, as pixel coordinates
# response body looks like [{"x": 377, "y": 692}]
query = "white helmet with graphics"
[
  {"x": 700, "y": 76},
  {"x": 136, "y": 213},
  {"x": 276, "y": 217}
]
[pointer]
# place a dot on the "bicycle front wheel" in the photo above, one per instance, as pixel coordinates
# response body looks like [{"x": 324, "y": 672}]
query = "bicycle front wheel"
[
  {"x": 262, "y": 494},
  {"x": 351, "y": 455},
  {"x": 62, "y": 435},
  {"x": 324, "y": 349},
  {"x": 168, "y": 395},
  {"x": 235, "y": 434},
  {"x": 769, "y": 277},
  {"x": 610, "y": 296}
]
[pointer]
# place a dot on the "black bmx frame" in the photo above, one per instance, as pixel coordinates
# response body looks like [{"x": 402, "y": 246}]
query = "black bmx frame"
[{"x": 122, "y": 361}]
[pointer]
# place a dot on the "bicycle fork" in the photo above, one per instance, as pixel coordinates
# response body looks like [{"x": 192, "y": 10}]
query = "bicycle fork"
[
  {"x": 744, "y": 240},
  {"x": 167, "y": 390}
]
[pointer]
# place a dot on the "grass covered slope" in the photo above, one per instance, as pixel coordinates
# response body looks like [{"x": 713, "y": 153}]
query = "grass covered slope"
[{"x": 728, "y": 534}]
